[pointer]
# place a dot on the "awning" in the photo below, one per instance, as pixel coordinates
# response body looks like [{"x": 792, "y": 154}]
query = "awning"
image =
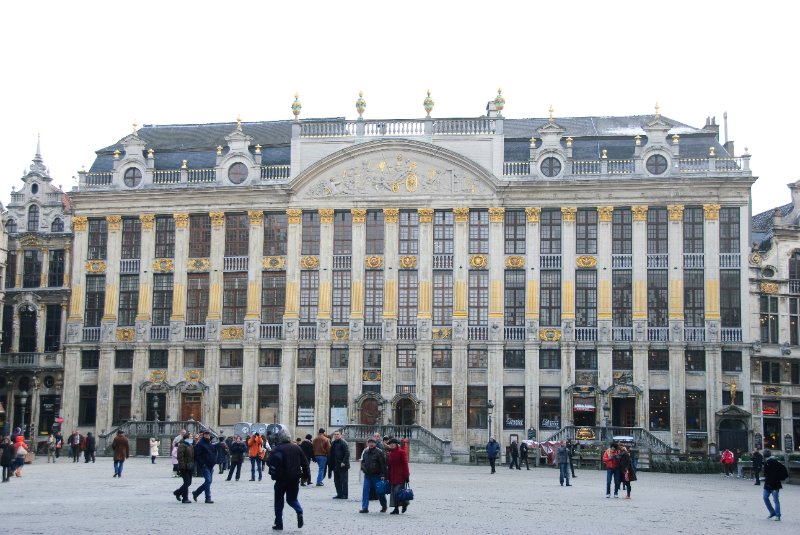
[{"x": 584, "y": 406}]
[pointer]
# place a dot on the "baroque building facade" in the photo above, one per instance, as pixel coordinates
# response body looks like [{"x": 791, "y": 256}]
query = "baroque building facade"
[
  {"x": 36, "y": 288},
  {"x": 471, "y": 276},
  {"x": 775, "y": 294}
]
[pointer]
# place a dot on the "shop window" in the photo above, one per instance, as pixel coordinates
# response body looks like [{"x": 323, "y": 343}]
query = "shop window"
[{"x": 514, "y": 407}]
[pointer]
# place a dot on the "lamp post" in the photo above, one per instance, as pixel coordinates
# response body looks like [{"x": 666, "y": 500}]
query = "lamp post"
[
  {"x": 23, "y": 402},
  {"x": 605, "y": 418},
  {"x": 489, "y": 410}
]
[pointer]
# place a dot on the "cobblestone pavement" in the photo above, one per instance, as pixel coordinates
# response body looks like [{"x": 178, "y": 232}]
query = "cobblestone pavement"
[{"x": 65, "y": 498}]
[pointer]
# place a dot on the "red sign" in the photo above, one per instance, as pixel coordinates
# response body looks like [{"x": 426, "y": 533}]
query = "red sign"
[{"x": 60, "y": 420}]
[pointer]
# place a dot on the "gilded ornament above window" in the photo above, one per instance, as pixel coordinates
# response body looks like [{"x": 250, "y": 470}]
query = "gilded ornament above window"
[
  {"x": 425, "y": 215},
  {"x": 148, "y": 221},
  {"x": 217, "y": 219},
  {"x": 711, "y": 211},
  {"x": 163, "y": 265},
  {"x": 340, "y": 334},
  {"x": 391, "y": 215},
  {"x": 639, "y": 212},
  {"x": 550, "y": 335},
  {"x": 461, "y": 214},
  {"x": 79, "y": 223},
  {"x": 586, "y": 261},
  {"x": 371, "y": 375},
  {"x": 199, "y": 264},
  {"x": 479, "y": 261},
  {"x": 193, "y": 376},
  {"x": 534, "y": 213},
  {"x": 568, "y": 213},
  {"x": 274, "y": 262},
  {"x": 444, "y": 333},
  {"x": 309, "y": 262},
  {"x": 675, "y": 212},
  {"x": 181, "y": 220},
  {"x": 126, "y": 335},
  {"x": 96, "y": 266},
  {"x": 605, "y": 213},
  {"x": 294, "y": 216},
  {"x": 374, "y": 262},
  {"x": 515, "y": 262},
  {"x": 497, "y": 215},
  {"x": 326, "y": 215},
  {"x": 769, "y": 287},
  {"x": 359, "y": 215},
  {"x": 158, "y": 376},
  {"x": 232, "y": 333},
  {"x": 256, "y": 217},
  {"x": 408, "y": 262},
  {"x": 114, "y": 222}
]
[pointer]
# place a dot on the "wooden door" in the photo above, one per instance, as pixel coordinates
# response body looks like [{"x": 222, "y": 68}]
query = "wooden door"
[
  {"x": 192, "y": 407},
  {"x": 369, "y": 411}
]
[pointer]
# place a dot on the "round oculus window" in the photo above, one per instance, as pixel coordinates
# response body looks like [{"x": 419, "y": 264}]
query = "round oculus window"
[
  {"x": 132, "y": 177},
  {"x": 551, "y": 167},
  {"x": 49, "y": 381},
  {"x": 768, "y": 272},
  {"x": 237, "y": 173},
  {"x": 656, "y": 164}
]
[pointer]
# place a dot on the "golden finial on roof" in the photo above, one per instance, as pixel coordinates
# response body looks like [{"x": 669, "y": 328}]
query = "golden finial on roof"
[
  {"x": 258, "y": 149},
  {"x": 183, "y": 164},
  {"x": 116, "y": 154},
  {"x": 605, "y": 154},
  {"x": 239, "y": 122},
  {"x": 569, "y": 141},
  {"x": 533, "y": 142},
  {"x": 551, "y": 110},
  {"x": 296, "y": 106},
  {"x": 428, "y": 104},
  {"x": 658, "y": 111},
  {"x": 675, "y": 139},
  {"x": 638, "y": 140},
  {"x": 150, "y": 153},
  {"x": 361, "y": 104},
  {"x": 219, "y": 150},
  {"x": 499, "y": 100},
  {"x": 711, "y": 151}
]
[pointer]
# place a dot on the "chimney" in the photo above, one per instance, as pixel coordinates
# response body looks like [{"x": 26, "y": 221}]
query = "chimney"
[{"x": 712, "y": 126}]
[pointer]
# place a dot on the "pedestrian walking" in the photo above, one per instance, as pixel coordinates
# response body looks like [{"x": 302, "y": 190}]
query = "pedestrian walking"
[
  {"x": 206, "y": 458},
  {"x": 20, "y": 452},
  {"x": 308, "y": 448},
  {"x": 185, "y": 466},
  {"x": 571, "y": 451},
  {"x": 222, "y": 454},
  {"x": 178, "y": 439},
  {"x": 562, "y": 456},
  {"x": 758, "y": 463},
  {"x": 7, "y": 458},
  {"x": 254, "y": 450},
  {"x": 321, "y": 447},
  {"x": 611, "y": 460},
  {"x": 513, "y": 450},
  {"x": 523, "y": 454},
  {"x": 89, "y": 447},
  {"x": 122, "y": 450},
  {"x": 727, "y": 461},
  {"x": 51, "y": 448},
  {"x": 155, "y": 445},
  {"x": 774, "y": 473},
  {"x": 373, "y": 465},
  {"x": 173, "y": 455},
  {"x": 287, "y": 465},
  {"x": 59, "y": 444},
  {"x": 492, "y": 451},
  {"x": 237, "y": 450},
  {"x": 398, "y": 473},
  {"x": 339, "y": 465},
  {"x": 627, "y": 470},
  {"x": 75, "y": 445}
]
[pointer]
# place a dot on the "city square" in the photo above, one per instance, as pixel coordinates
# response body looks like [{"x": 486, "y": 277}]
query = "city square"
[{"x": 69, "y": 497}]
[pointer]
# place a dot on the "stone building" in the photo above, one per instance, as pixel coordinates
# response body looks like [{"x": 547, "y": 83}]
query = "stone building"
[
  {"x": 471, "y": 276},
  {"x": 775, "y": 326},
  {"x": 34, "y": 312}
]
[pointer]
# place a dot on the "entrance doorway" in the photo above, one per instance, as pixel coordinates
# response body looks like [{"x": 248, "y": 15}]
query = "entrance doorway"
[
  {"x": 191, "y": 406},
  {"x": 369, "y": 411},
  {"x": 584, "y": 411},
  {"x": 623, "y": 412},
  {"x": 405, "y": 412},
  {"x": 733, "y": 435}
]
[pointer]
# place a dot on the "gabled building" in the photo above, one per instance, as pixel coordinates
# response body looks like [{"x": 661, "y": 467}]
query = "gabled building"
[
  {"x": 36, "y": 286},
  {"x": 452, "y": 278}
]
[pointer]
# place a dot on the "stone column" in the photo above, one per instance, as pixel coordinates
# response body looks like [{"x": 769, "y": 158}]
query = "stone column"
[
  {"x": 605, "y": 370},
  {"x": 568, "y": 271},
  {"x": 639, "y": 272},
  {"x": 325, "y": 274},
  {"x": 677, "y": 396},
  {"x": 532, "y": 261},
  {"x": 460, "y": 273},
  {"x": 210, "y": 415},
  {"x": 425, "y": 274},
  {"x": 357, "y": 269},
  {"x": 113, "y": 255},
  {"x": 67, "y": 265},
  {"x": 77, "y": 293},
  {"x": 391, "y": 261},
  {"x": 496, "y": 274},
  {"x": 45, "y": 267},
  {"x": 459, "y": 380},
  {"x": 424, "y": 355},
  {"x": 143, "y": 317},
  {"x": 216, "y": 278},
  {"x": 20, "y": 267},
  {"x": 355, "y": 368},
  {"x": 532, "y": 384},
  {"x": 675, "y": 271},
  {"x": 494, "y": 390},
  {"x": 250, "y": 384},
  {"x": 138, "y": 376},
  {"x": 255, "y": 251},
  {"x": 321, "y": 388},
  {"x": 179, "y": 281},
  {"x": 105, "y": 389},
  {"x": 293, "y": 248},
  {"x": 712, "y": 313},
  {"x": 287, "y": 389}
]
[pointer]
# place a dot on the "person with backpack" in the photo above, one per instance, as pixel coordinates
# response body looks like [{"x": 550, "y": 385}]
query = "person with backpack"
[
  {"x": 774, "y": 473},
  {"x": 287, "y": 464}
]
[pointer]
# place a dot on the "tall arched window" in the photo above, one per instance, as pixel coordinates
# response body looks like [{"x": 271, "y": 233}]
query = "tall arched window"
[
  {"x": 33, "y": 218},
  {"x": 794, "y": 266},
  {"x": 57, "y": 226},
  {"x": 11, "y": 226}
]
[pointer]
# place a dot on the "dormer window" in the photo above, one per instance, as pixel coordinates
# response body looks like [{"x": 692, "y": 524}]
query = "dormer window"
[
  {"x": 57, "y": 226},
  {"x": 132, "y": 177},
  {"x": 237, "y": 173},
  {"x": 551, "y": 167},
  {"x": 34, "y": 189},
  {"x": 33, "y": 218},
  {"x": 656, "y": 164}
]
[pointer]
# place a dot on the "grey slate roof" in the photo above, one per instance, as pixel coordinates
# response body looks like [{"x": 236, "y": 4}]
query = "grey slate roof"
[
  {"x": 761, "y": 225},
  {"x": 196, "y": 143}
]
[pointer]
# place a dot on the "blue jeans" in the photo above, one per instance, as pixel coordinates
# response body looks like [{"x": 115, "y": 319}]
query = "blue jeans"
[
  {"x": 118, "y": 467},
  {"x": 322, "y": 462},
  {"x": 563, "y": 473},
  {"x": 369, "y": 484},
  {"x": 255, "y": 462},
  {"x": 776, "y": 511},
  {"x": 208, "y": 474},
  {"x": 290, "y": 489},
  {"x": 612, "y": 472}
]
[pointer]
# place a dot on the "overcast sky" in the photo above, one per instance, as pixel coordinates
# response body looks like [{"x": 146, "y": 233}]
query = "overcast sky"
[{"x": 80, "y": 73}]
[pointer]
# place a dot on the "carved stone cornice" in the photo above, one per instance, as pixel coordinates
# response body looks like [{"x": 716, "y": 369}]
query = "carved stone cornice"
[
  {"x": 534, "y": 213},
  {"x": 461, "y": 214},
  {"x": 114, "y": 222},
  {"x": 181, "y": 220},
  {"x": 326, "y": 216},
  {"x": 639, "y": 212},
  {"x": 359, "y": 215},
  {"x": 425, "y": 215},
  {"x": 605, "y": 214},
  {"x": 497, "y": 215},
  {"x": 294, "y": 216},
  {"x": 568, "y": 213}
]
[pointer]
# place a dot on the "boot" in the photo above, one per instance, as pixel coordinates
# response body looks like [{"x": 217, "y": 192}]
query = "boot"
[{"x": 395, "y": 511}]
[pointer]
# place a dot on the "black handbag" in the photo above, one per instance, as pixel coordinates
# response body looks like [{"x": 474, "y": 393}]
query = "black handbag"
[{"x": 405, "y": 494}]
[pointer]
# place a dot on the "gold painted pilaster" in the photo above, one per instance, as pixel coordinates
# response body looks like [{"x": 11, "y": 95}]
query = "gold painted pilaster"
[
  {"x": 568, "y": 300},
  {"x": 604, "y": 300},
  {"x": 532, "y": 306},
  {"x": 390, "y": 299}
]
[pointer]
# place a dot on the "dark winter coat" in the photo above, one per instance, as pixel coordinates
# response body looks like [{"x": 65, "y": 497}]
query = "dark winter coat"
[
  {"x": 492, "y": 449},
  {"x": 758, "y": 460},
  {"x": 307, "y": 448},
  {"x": 90, "y": 443},
  {"x": 340, "y": 454},
  {"x": 222, "y": 451},
  {"x": 185, "y": 456},
  {"x": 121, "y": 447},
  {"x": 523, "y": 451},
  {"x": 204, "y": 454},
  {"x": 774, "y": 473},
  {"x": 373, "y": 462},
  {"x": 8, "y": 455},
  {"x": 238, "y": 449},
  {"x": 292, "y": 460},
  {"x": 625, "y": 464}
]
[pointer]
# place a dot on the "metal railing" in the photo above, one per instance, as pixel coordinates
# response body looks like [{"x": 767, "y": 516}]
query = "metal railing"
[
  {"x": 644, "y": 439},
  {"x": 342, "y": 261},
  {"x": 164, "y": 431},
  {"x": 414, "y": 434}
]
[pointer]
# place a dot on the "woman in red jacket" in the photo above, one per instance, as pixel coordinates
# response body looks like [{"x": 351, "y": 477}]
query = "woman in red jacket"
[{"x": 397, "y": 468}]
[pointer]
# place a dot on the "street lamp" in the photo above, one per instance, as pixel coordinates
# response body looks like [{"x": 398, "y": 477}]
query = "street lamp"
[
  {"x": 489, "y": 410},
  {"x": 605, "y": 418},
  {"x": 23, "y": 402}
]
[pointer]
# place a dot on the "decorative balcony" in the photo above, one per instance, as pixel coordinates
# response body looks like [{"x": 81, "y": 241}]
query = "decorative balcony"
[
  {"x": 442, "y": 261},
  {"x": 694, "y": 334},
  {"x": 194, "y": 332},
  {"x": 271, "y": 331},
  {"x": 731, "y": 334},
  {"x": 794, "y": 286},
  {"x": 657, "y": 261},
  {"x": 196, "y": 176},
  {"x": 129, "y": 266},
  {"x": 31, "y": 360},
  {"x": 342, "y": 261},
  {"x": 622, "y": 334},
  {"x": 658, "y": 334},
  {"x": 91, "y": 334},
  {"x": 693, "y": 260},
  {"x": 585, "y": 334},
  {"x": 406, "y": 332},
  {"x": 275, "y": 172},
  {"x": 550, "y": 261},
  {"x": 235, "y": 263},
  {"x": 159, "y": 332},
  {"x": 167, "y": 176},
  {"x": 373, "y": 332},
  {"x": 621, "y": 261},
  {"x": 478, "y": 333},
  {"x": 308, "y": 332},
  {"x": 730, "y": 260},
  {"x": 514, "y": 334}
]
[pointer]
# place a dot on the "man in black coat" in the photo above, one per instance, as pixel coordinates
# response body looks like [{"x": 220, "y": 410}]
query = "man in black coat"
[
  {"x": 339, "y": 464},
  {"x": 221, "y": 448},
  {"x": 205, "y": 457},
  {"x": 758, "y": 463},
  {"x": 774, "y": 473},
  {"x": 91, "y": 446},
  {"x": 287, "y": 465}
]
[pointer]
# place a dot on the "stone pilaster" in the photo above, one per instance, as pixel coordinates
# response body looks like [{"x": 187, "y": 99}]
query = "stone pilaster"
[
  {"x": 568, "y": 271},
  {"x": 639, "y": 272},
  {"x": 532, "y": 264},
  {"x": 143, "y": 317},
  {"x": 357, "y": 270},
  {"x": 604, "y": 272},
  {"x": 255, "y": 248},
  {"x": 113, "y": 255},
  {"x": 425, "y": 274},
  {"x": 287, "y": 389},
  {"x": 496, "y": 273},
  {"x": 321, "y": 385},
  {"x": 250, "y": 382},
  {"x": 675, "y": 248},
  {"x": 677, "y": 395},
  {"x": 424, "y": 354},
  {"x": 460, "y": 272},
  {"x": 391, "y": 262},
  {"x": 105, "y": 386},
  {"x": 532, "y": 384},
  {"x": 495, "y": 388},
  {"x": 179, "y": 280},
  {"x": 216, "y": 278},
  {"x": 77, "y": 293},
  {"x": 325, "y": 273},
  {"x": 459, "y": 380},
  {"x": 293, "y": 248}
]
